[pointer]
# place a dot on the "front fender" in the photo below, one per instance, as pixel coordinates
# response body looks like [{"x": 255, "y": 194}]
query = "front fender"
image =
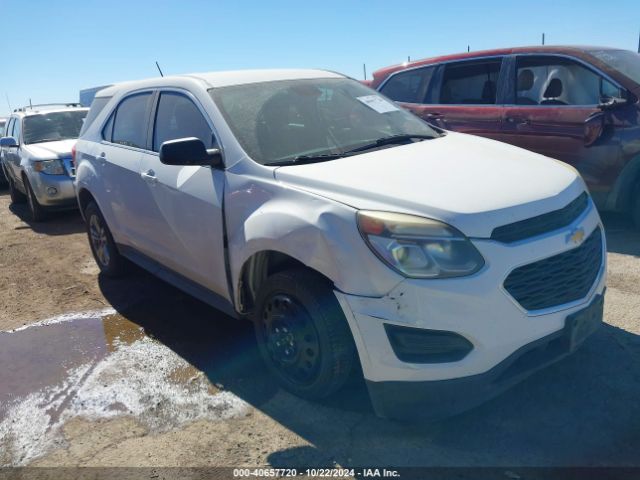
[{"x": 322, "y": 234}]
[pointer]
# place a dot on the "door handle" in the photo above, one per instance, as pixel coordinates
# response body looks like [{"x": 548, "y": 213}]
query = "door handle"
[
  {"x": 518, "y": 120},
  {"x": 435, "y": 116},
  {"x": 150, "y": 176}
]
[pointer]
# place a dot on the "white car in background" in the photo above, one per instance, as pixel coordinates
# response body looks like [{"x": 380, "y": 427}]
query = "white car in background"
[
  {"x": 449, "y": 266},
  {"x": 36, "y": 156}
]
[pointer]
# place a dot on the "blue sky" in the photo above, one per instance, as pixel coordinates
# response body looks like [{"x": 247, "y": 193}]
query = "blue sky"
[{"x": 52, "y": 49}]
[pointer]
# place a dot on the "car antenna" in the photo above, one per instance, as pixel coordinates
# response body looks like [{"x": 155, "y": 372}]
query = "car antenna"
[
  {"x": 30, "y": 106},
  {"x": 8, "y": 102},
  {"x": 161, "y": 74}
]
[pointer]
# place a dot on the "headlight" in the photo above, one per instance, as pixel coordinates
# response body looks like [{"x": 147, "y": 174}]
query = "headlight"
[
  {"x": 50, "y": 167},
  {"x": 419, "y": 247}
]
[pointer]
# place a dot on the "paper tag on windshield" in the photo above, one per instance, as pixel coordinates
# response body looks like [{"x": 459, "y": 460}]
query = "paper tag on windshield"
[{"x": 378, "y": 103}]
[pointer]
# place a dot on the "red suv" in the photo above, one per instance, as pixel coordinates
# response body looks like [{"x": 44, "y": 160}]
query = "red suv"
[{"x": 576, "y": 104}]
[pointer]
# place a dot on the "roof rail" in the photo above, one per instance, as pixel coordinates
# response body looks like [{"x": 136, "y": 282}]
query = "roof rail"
[{"x": 34, "y": 107}]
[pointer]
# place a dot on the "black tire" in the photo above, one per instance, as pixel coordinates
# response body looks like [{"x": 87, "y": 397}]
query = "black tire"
[
  {"x": 16, "y": 195},
  {"x": 635, "y": 208},
  {"x": 104, "y": 249},
  {"x": 37, "y": 211},
  {"x": 302, "y": 334}
]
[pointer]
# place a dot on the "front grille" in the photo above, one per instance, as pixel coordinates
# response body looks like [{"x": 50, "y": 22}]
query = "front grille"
[
  {"x": 560, "y": 279},
  {"x": 544, "y": 223}
]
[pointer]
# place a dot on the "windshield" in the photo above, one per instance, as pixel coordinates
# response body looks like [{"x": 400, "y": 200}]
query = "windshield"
[
  {"x": 49, "y": 127},
  {"x": 624, "y": 61},
  {"x": 285, "y": 120}
]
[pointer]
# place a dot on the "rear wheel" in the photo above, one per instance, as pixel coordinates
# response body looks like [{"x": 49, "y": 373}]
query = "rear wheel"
[
  {"x": 16, "y": 195},
  {"x": 104, "y": 249},
  {"x": 37, "y": 211},
  {"x": 302, "y": 334}
]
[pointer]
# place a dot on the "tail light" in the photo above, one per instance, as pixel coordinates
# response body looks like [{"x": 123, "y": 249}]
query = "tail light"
[{"x": 73, "y": 156}]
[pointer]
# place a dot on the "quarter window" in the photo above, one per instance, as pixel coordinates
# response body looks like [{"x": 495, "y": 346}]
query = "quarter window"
[
  {"x": 130, "y": 124},
  {"x": 410, "y": 86},
  {"x": 97, "y": 106},
  {"x": 178, "y": 117},
  {"x": 550, "y": 80},
  {"x": 473, "y": 83}
]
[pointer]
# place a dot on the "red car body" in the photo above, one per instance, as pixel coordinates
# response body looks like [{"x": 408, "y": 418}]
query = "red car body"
[{"x": 560, "y": 118}]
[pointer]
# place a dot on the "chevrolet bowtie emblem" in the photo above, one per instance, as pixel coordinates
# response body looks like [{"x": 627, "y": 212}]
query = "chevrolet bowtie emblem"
[{"x": 576, "y": 236}]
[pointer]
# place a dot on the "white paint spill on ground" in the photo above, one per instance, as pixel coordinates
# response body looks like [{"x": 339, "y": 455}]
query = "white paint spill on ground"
[
  {"x": 136, "y": 379},
  {"x": 66, "y": 317}
]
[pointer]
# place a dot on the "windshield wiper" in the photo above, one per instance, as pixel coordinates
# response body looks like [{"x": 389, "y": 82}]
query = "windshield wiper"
[
  {"x": 302, "y": 159},
  {"x": 389, "y": 141}
]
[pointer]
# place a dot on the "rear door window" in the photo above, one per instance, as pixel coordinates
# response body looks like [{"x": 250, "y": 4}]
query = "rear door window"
[
  {"x": 130, "y": 123},
  {"x": 410, "y": 86},
  {"x": 178, "y": 117},
  {"x": 470, "y": 83},
  {"x": 551, "y": 80}
]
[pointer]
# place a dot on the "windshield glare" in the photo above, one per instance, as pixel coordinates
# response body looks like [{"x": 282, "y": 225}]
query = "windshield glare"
[
  {"x": 282, "y": 120},
  {"x": 624, "y": 61},
  {"x": 49, "y": 127}
]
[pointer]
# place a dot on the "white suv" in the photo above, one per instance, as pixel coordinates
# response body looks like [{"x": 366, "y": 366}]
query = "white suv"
[
  {"x": 35, "y": 151},
  {"x": 348, "y": 230}
]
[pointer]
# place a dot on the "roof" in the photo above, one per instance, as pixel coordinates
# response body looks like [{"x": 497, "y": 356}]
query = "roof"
[
  {"x": 51, "y": 108},
  {"x": 222, "y": 79},
  {"x": 382, "y": 73}
]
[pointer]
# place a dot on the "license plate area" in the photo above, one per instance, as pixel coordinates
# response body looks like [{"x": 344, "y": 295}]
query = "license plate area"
[{"x": 581, "y": 324}]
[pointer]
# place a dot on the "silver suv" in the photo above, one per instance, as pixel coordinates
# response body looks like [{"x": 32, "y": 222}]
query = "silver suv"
[{"x": 36, "y": 154}]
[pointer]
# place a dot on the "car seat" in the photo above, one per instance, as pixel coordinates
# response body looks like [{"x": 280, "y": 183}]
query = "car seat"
[
  {"x": 525, "y": 83},
  {"x": 552, "y": 92}
]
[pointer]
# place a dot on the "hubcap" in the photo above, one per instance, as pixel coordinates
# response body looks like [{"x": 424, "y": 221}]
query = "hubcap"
[
  {"x": 291, "y": 339},
  {"x": 99, "y": 243}
]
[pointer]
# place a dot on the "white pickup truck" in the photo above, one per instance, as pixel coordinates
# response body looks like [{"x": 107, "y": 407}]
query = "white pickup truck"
[{"x": 348, "y": 230}]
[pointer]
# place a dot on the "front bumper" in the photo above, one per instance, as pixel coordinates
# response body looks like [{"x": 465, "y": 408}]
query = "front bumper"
[
  {"x": 443, "y": 398},
  {"x": 53, "y": 191},
  {"x": 477, "y": 308}
]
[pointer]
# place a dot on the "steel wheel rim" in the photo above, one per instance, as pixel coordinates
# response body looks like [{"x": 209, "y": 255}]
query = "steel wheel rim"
[
  {"x": 291, "y": 339},
  {"x": 98, "y": 235}
]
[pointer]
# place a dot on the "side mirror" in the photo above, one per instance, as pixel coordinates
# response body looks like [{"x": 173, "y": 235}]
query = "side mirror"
[
  {"x": 608, "y": 103},
  {"x": 189, "y": 151},
  {"x": 593, "y": 128},
  {"x": 8, "y": 142}
]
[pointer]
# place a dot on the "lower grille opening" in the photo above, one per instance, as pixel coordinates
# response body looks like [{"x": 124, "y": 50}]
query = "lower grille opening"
[{"x": 535, "y": 358}]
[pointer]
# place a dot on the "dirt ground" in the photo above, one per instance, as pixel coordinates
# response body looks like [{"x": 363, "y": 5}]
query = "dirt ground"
[{"x": 140, "y": 374}]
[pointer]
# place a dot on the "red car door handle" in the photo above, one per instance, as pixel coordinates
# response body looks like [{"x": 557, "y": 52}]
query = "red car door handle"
[
  {"x": 518, "y": 120},
  {"x": 435, "y": 116}
]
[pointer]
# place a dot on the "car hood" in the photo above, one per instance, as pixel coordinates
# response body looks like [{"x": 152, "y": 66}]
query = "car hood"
[
  {"x": 472, "y": 183},
  {"x": 47, "y": 150}
]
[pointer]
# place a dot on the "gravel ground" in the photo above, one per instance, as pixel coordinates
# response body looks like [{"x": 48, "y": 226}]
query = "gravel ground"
[{"x": 583, "y": 411}]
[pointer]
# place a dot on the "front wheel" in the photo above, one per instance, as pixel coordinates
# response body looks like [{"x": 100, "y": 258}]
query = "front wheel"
[
  {"x": 302, "y": 334},
  {"x": 104, "y": 249},
  {"x": 37, "y": 211},
  {"x": 16, "y": 195}
]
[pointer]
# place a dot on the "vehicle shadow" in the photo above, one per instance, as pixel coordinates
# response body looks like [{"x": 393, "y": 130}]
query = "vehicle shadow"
[
  {"x": 57, "y": 223},
  {"x": 582, "y": 411},
  {"x": 622, "y": 237}
]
